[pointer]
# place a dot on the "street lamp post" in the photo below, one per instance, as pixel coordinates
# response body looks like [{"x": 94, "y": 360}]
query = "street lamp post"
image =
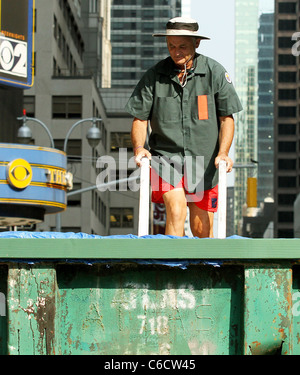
[
  {"x": 24, "y": 132},
  {"x": 93, "y": 136}
]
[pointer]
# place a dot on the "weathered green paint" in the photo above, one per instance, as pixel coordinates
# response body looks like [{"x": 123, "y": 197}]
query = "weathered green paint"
[
  {"x": 296, "y": 310},
  {"x": 107, "y": 248},
  {"x": 32, "y": 305},
  {"x": 268, "y": 299},
  {"x": 142, "y": 310},
  {"x": 3, "y": 312},
  {"x": 234, "y": 305}
]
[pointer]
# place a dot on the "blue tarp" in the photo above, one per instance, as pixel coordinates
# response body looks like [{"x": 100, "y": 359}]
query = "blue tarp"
[
  {"x": 70, "y": 235},
  {"x": 25, "y": 234}
]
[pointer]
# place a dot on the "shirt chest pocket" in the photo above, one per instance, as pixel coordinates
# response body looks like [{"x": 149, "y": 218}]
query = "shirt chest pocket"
[
  {"x": 204, "y": 108},
  {"x": 202, "y": 105},
  {"x": 168, "y": 109}
]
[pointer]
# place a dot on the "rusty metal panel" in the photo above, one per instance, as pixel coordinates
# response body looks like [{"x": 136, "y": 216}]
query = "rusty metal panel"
[
  {"x": 296, "y": 310},
  {"x": 268, "y": 310},
  {"x": 3, "y": 319},
  {"x": 124, "y": 309},
  {"x": 32, "y": 304},
  {"x": 146, "y": 310}
]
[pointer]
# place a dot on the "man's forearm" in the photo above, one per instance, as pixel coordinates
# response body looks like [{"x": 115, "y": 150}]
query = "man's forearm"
[
  {"x": 138, "y": 133},
  {"x": 226, "y": 134},
  {"x": 138, "y": 139}
]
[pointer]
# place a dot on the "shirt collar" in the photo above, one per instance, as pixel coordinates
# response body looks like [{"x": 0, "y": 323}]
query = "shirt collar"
[
  {"x": 200, "y": 66},
  {"x": 167, "y": 68}
]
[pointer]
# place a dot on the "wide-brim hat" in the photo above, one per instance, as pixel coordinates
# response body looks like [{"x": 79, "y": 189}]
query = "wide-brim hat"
[{"x": 182, "y": 26}]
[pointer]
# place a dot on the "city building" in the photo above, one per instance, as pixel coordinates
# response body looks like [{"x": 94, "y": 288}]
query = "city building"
[
  {"x": 11, "y": 105},
  {"x": 230, "y": 212},
  {"x": 265, "y": 108},
  {"x": 258, "y": 214},
  {"x": 76, "y": 77},
  {"x": 246, "y": 66},
  {"x": 64, "y": 92},
  {"x": 286, "y": 116},
  {"x": 96, "y": 34},
  {"x": 134, "y": 50}
]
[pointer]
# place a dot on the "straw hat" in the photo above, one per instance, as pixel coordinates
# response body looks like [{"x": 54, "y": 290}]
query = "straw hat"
[{"x": 182, "y": 26}]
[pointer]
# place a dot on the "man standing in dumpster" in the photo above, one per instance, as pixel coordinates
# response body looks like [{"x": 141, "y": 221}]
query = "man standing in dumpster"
[{"x": 189, "y": 100}]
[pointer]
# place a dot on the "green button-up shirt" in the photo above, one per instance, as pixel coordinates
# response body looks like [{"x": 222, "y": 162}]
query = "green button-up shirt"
[{"x": 185, "y": 120}]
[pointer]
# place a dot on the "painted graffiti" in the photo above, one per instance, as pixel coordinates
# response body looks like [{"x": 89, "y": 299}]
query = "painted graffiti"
[{"x": 134, "y": 296}]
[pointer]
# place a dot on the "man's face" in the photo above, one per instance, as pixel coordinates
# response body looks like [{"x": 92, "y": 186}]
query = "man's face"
[{"x": 182, "y": 48}]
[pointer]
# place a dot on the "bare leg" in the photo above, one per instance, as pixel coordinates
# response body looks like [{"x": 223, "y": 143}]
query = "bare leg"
[
  {"x": 175, "y": 203},
  {"x": 201, "y": 222}
]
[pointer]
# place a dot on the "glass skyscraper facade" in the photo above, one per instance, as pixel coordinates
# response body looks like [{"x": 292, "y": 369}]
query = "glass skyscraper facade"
[
  {"x": 246, "y": 63},
  {"x": 286, "y": 115},
  {"x": 134, "y": 50},
  {"x": 265, "y": 112}
]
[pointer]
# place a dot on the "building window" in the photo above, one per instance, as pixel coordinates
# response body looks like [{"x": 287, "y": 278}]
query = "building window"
[
  {"x": 286, "y": 25},
  {"x": 286, "y": 199},
  {"x": 121, "y": 217},
  {"x": 287, "y": 129},
  {"x": 70, "y": 229},
  {"x": 287, "y": 94},
  {"x": 287, "y": 182},
  {"x": 285, "y": 217},
  {"x": 93, "y": 6},
  {"x": 287, "y": 164},
  {"x": 29, "y": 105},
  {"x": 148, "y": 3},
  {"x": 287, "y": 111},
  {"x": 99, "y": 208},
  {"x": 66, "y": 107},
  {"x": 74, "y": 148},
  {"x": 287, "y": 7},
  {"x": 287, "y": 146},
  {"x": 287, "y": 76},
  {"x": 75, "y": 200},
  {"x": 285, "y": 233},
  {"x": 285, "y": 42},
  {"x": 120, "y": 140},
  {"x": 287, "y": 59}
]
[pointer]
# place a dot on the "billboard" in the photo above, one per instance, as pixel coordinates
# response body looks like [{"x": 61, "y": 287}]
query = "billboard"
[{"x": 16, "y": 43}]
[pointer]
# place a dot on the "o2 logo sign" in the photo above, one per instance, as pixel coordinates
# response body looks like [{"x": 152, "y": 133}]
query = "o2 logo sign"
[{"x": 13, "y": 57}]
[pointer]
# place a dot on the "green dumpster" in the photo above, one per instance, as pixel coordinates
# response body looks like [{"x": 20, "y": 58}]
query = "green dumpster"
[{"x": 149, "y": 296}]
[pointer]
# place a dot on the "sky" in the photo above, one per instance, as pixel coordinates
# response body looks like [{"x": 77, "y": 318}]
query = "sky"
[{"x": 216, "y": 21}]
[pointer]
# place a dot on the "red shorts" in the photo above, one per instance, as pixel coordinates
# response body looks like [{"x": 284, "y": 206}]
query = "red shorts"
[{"x": 207, "y": 200}]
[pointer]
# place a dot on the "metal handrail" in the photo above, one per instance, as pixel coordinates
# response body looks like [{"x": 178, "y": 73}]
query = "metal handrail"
[
  {"x": 143, "y": 226},
  {"x": 222, "y": 200}
]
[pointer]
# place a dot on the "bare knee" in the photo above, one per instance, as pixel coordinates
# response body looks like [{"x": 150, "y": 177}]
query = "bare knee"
[
  {"x": 176, "y": 213},
  {"x": 201, "y": 222}
]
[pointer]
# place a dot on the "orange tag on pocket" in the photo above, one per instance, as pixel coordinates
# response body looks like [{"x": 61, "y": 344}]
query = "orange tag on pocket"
[{"x": 202, "y": 107}]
